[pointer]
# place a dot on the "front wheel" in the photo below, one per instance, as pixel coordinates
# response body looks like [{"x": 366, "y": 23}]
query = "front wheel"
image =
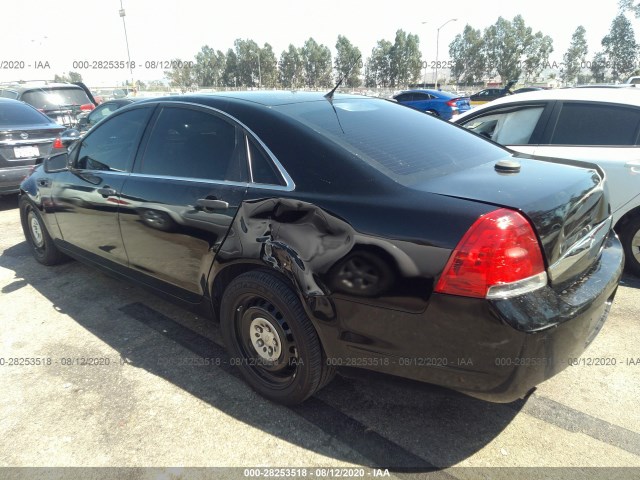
[
  {"x": 41, "y": 243},
  {"x": 271, "y": 339},
  {"x": 630, "y": 237}
]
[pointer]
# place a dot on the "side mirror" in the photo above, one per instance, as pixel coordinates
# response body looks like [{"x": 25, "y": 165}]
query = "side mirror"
[{"x": 56, "y": 163}]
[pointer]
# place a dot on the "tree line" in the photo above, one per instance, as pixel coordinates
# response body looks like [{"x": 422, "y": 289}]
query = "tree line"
[{"x": 508, "y": 49}]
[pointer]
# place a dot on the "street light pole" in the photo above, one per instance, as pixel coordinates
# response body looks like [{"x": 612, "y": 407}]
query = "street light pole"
[
  {"x": 126, "y": 39},
  {"x": 438, "y": 45},
  {"x": 424, "y": 83}
]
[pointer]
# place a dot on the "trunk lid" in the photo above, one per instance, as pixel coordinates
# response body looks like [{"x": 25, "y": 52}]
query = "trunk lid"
[
  {"x": 22, "y": 144},
  {"x": 567, "y": 205}
]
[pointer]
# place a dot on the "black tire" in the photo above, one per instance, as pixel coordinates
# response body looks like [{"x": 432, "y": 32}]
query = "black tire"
[
  {"x": 38, "y": 238},
  {"x": 630, "y": 238},
  {"x": 291, "y": 366},
  {"x": 361, "y": 273}
]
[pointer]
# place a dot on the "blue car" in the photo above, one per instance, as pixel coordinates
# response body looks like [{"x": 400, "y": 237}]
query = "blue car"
[{"x": 436, "y": 102}]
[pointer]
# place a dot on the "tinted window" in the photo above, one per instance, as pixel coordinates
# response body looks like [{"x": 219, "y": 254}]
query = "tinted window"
[
  {"x": 15, "y": 114},
  {"x": 422, "y": 96},
  {"x": 9, "y": 94},
  {"x": 112, "y": 145},
  {"x": 47, "y": 99},
  {"x": 262, "y": 169},
  {"x": 402, "y": 143},
  {"x": 192, "y": 143},
  {"x": 591, "y": 124},
  {"x": 101, "y": 112},
  {"x": 507, "y": 127},
  {"x": 404, "y": 97}
]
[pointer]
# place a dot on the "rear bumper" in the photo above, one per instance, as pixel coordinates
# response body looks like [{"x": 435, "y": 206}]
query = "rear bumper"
[
  {"x": 12, "y": 177},
  {"x": 497, "y": 350}
]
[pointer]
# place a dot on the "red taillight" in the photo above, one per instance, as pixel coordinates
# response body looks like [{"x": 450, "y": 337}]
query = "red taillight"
[
  {"x": 500, "y": 248},
  {"x": 87, "y": 107},
  {"x": 453, "y": 102},
  {"x": 57, "y": 143}
]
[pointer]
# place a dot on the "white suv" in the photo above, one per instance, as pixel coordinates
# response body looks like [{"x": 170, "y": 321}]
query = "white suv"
[{"x": 596, "y": 125}]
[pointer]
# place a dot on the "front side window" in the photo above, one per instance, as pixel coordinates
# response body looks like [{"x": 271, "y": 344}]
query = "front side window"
[
  {"x": 112, "y": 145},
  {"x": 192, "y": 143},
  {"x": 592, "y": 124},
  {"x": 507, "y": 127}
]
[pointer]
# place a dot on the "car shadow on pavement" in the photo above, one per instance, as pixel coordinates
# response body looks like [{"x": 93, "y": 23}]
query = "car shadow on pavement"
[
  {"x": 8, "y": 202},
  {"x": 630, "y": 280},
  {"x": 368, "y": 419}
]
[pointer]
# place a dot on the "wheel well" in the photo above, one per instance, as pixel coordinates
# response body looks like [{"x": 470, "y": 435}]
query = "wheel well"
[
  {"x": 626, "y": 218},
  {"x": 228, "y": 274}
]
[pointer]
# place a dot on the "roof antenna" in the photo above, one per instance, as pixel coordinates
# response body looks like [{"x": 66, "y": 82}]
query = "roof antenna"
[{"x": 329, "y": 96}]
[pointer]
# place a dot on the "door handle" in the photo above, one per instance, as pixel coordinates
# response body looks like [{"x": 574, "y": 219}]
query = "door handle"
[
  {"x": 211, "y": 204},
  {"x": 44, "y": 182},
  {"x": 107, "y": 191}
]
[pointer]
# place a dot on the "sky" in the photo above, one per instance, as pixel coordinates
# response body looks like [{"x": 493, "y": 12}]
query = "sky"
[{"x": 54, "y": 35}]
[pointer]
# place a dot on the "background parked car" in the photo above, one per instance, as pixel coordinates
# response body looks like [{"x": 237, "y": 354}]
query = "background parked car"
[
  {"x": 26, "y": 137},
  {"x": 63, "y": 102},
  {"x": 321, "y": 235},
  {"x": 87, "y": 120},
  {"x": 490, "y": 94},
  {"x": 598, "y": 125},
  {"x": 436, "y": 102}
]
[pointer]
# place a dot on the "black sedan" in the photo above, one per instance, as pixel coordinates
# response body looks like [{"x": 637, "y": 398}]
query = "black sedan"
[
  {"x": 26, "y": 137},
  {"x": 340, "y": 231}
]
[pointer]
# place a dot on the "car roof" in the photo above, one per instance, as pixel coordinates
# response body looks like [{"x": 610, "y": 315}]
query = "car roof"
[
  {"x": 25, "y": 86},
  {"x": 269, "y": 98}
]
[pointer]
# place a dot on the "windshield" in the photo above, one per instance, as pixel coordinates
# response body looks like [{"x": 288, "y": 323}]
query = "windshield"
[
  {"x": 402, "y": 143},
  {"x": 47, "y": 99}
]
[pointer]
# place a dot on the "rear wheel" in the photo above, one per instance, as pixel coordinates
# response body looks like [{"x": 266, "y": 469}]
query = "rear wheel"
[
  {"x": 630, "y": 237},
  {"x": 41, "y": 243},
  {"x": 271, "y": 339}
]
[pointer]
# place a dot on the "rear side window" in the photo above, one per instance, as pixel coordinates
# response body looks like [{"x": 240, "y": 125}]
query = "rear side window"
[
  {"x": 47, "y": 99},
  {"x": 507, "y": 127},
  {"x": 191, "y": 143},
  {"x": 402, "y": 143},
  {"x": 262, "y": 169},
  {"x": 112, "y": 145},
  {"x": 592, "y": 124},
  {"x": 19, "y": 114}
]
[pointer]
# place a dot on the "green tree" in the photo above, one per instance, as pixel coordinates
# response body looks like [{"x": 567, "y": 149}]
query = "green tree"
[
  {"x": 511, "y": 45},
  {"x": 249, "y": 68},
  {"x": 268, "y": 66},
  {"x": 575, "y": 56},
  {"x": 468, "y": 56},
  {"x": 291, "y": 68},
  {"x": 182, "y": 76},
  {"x": 537, "y": 55},
  {"x": 68, "y": 77},
  {"x": 316, "y": 61},
  {"x": 599, "y": 67},
  {"x": 348, "y": 62},
  {"x": 230, "y": 72},
  {"x": 378, "y": 66},
  {"x": 209, "y": 67},
  {"x": 621, "y": 48},
  {"x": 405, "y": 59}
]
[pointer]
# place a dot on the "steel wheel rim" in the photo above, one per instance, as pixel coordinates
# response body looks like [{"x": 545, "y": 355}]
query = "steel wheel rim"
[
  {"x": 154, "y": 218},
  {"x": 635, "y": 246},
  {"x": 35, "y": 229},
  {"x": 279, "y": 368}
]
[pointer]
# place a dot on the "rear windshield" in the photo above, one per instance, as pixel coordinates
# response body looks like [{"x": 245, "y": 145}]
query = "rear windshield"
[
  {"x": 404, "y": 144},
  {"x": 18, "y": 114},
  {"x": 51, "y": 98}
]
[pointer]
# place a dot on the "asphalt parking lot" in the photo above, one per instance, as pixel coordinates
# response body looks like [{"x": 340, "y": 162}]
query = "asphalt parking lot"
[{"x": 123, "y": 381}]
